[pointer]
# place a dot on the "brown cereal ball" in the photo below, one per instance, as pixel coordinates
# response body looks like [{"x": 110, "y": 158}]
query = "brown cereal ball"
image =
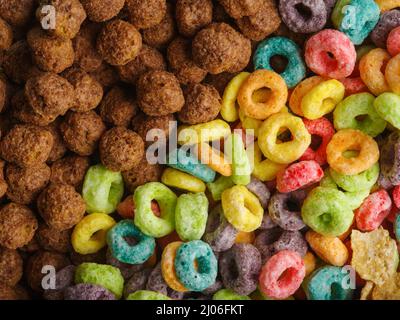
[
  {"x": 218, "y": 48},
  {"x": 33, "y": 270},
  {"x": 202, "y": 104},
  {"x": 241, "y": 8},
  {"x": 102, "y": 10},
  {"x": 53, "y": 240},
  {"x": 26, "y": 145},
  {"x": 70, "y": 14},
  {"x": 6, "y": 35},
  {"x": 11, "y": 267},
  {"x": 3, "y": 93},
  {"x": 82, "y": 131},
  {"x": 106, "y": 75},
  {"x": 193, "y": 15},
  {"x": 220, "y": 81},
  {"x": 49, "y": 53},
  {"x": 119, "y": 42},
  {"x": 182, "y": 64},
  {"x": 159, "y": 93},
  {"x": 243, "y": 54},
  {"x": 8, "y": 293},
  {"x": 162, "y": 33},
  {"x": 17, "y": 225},
  {"x": 31, "y": 246},
  {"x": 118, "y": 107},
  {"x": 3, "y": 183},
  {"x": 260, "y": 25},
  {"x": 148, "y": 59},
  {"x": 142, "y": 124},
  {"x": 142, "y": 173},
  {"x": 70, "y": 170},
  {"x": 25, "y": 184},
  {"x": 88, "y": 91},
  {"x": 18, "y": 64},
  {"x": 121, "y": 149},
  {"x": 59, "y": 148},
  {"x": 61, "y": 206},
  {"x": 18, "y": 13},
  {"x": 49, "y": 94},
  {"x": 145, "y": 14}
]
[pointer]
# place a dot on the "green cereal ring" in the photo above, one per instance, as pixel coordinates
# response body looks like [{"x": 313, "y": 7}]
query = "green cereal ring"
[
  {"x": 361, "y": 104},
  {"x": 236, "y": 152},
  {"x": 145, "y": 219},
  {"x": 218, "y": 186},
  {"x": 102, "y": 189},
  {"x": 191, "y": 215},
  {"x": 227, "y": 294},
  {"x": 103, "y": 275},
  {"x": 147, "y": 295},
  {"x": 327, "y": 212},
  {"x": 387, "y": 106}
]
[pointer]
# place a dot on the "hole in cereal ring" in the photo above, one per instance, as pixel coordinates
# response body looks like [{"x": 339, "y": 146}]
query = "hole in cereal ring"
[
  {"x": 292, "y": 205},
  {"x": 336, "y": 288},
  {"x": 155, "y": 207},
  {"x": 330, "y": 55},
  {"x": 130, "y": 240},
  {"x": 316, "y": 141},
  {"x": 233, "y": 271},
  {"x": 261, "y": 95},
  {"x": 325, "y": 217},
  {"x": 361, "y": 117},
  {"x": 278, "y": 63},
  {"x": 304, "y": 11},
  {"x": 284, "y": 136},
  {"x": 98, "y": 235},
  {"x": 286, "y": 277},
  {"x": 351, "y": 153}
]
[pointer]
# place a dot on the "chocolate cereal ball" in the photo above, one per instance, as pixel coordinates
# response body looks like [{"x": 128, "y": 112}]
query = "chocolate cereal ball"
[
  {"x": 11, "y": 267},
  {"x": 106, "y": 75},
  {"x": 145, "y": 14},
  {"x": 26, "y": 145},
  {"x": 241, "y": 8},
  {"x": 202, "y": 104},
  {"x": 119, "y": 42},
  {"x": 70, "y": 170},
  {"x": 50, "y": 53},
  {"x": 53, "y": 240},
  {"x": 88, "y": 91},
  {"x": 3, "y": 93},
  {"x": 25, "y": 184},
  {"x": 3, "y": 183},
  {"x": 219, "y": 81},
  {"x": 70, "y": 16},
  {"x": 193, "y": 15},
  {"x": 121, "y": 149},
  {"x": 18, "y": 13},
  {"x": 118, "y": 107},
  {"x": 181, "y": 62},
  {"x": 61, "y": 206},
  {"x": 148, "y": 59},
  {"x": 17, "y": 225},
  {"x": 59, "y": 148},
  {"x": 49, "y": 94},
  {"x": 143, "y": 124},
  {"x": 159, "y": 93},
  {"x": 6, "y": 35},
  {"x": 102, "y": 10},
  {"x": 82, "y": 131}
]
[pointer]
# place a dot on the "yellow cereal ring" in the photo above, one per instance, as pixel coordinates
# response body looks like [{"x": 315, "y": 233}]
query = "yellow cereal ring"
[
  {"x": 203, "y": 132},
  {"x": 229, "y": 108},
  {"x": 168, "y": 267},
  {"x": 300, "y": 91},
  {"x": 392, "y": 74},
  {"x": 386, "y": 5},
  {"x": 181, "y": 180},
  {"x": 249, "y": 123},
  {"x": 89, "y": 235},
  {"x": 309, "y": 262},
  {"x": 214, "y": 159}
]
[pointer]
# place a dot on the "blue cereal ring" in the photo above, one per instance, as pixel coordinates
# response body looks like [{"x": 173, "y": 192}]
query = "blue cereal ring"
[
  {"x": 328, "y": 283},
  {"x": 182, "y": 160},
  {"x": 122, "y": 250},
  {"x": 396, "y": 226},
  {"x": 207, "y": 269},
  {"x": 295, "y": 70}
]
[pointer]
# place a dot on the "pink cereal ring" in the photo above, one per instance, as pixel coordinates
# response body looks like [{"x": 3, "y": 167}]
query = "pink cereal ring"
[
  {"x": 330, "y": 53},
  {"x": 298, "y": 175},
  {"x": 393, "y": 42},
  {"x": 354, "y": 85},
  {"x": 282, "y": 275},
  {"x": 322, "y": 128},
  {"x": 375, "y": 208},
  {"x": 396, "y": 196}
]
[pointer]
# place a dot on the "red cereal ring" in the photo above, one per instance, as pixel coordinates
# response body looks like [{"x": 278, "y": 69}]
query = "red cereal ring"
[
  {"x": 375, "y": 208},
  {"x": 393, "y": 42},
  {"x": 353, "y": 86},
  {"x": 330, "y": 53},
  {"x": 396, "y": 196},
  {"x": 282, "y": 275},
  {"x": 392, "y": 215},
  {"x": 322, "y": 128}
]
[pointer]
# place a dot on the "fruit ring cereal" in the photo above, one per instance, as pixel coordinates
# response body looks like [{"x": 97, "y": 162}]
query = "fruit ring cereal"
[
  {"x": 229, "y": 110},
  {"x": 235, "y": 150},
  {"x": 157, "y": 283},
  {"x": 388, "y": 21},
  {"x": 386, "y": 106},
  {"x": 147, "y": 295},
  {"x": 265, "y": 170},
  {"x": 218, "y": 186},
  {"x": 260, "y": 190},
  {"x": 393, "y": 42},
  {"x": 181, "y": 180},
  {"x": 391, "y": 74},
  {"x": 300, "y": 91},
  {"x": 168, "y": 266},
  {"x": 87, "y": 291}
]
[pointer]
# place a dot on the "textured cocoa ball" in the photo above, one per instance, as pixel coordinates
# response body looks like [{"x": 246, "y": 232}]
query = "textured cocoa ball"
[
  {"x": 106, "y": 75},
  {"x": 33, "y": 270},
  {"x": 202, "y": 104},
  {"x": 241, "y": 8},
  {"x": 50, "y": 53},
  {"x": 59, "y": 148},
  {"x": 17, "y": 225},
  {"x": 180, "y": 60},
  {"x": 61, "y": 206},
  {"x": 193, "y": 15},
  {"x": 143, "y": 123},
  {"x": 88, "y": 92},
  {"x": 121, "y": 149},
  {"x": 159, "y": 93},
  {"x": 3, "y": 183},
  {"x": 70, "y": 170},
  {"x": 26, "y": 145},
  {"x": 25, "y": 184},
  {"x": 11, "y": 267},
  {"x": 82, "y": 131},
  {"x": 6, "y": 35},
  {"x": 53, "y": 240},
  {"x": 3, "y": 93},
  {"x": 12, "y": 293},
  {"x": 100, "y": 10},
  {"x": 145, "y": 14},
  {"x": 70, "y": 16},
  {"x": 119, "y": 42},
  {"x": 49, "y": 94},
  {"x": 18, "y": 13}
]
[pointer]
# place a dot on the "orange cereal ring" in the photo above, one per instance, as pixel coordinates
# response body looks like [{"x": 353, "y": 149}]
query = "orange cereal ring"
[
  {"x": 310, "y": 262},
  {"x": 352, "y": 140},
  {"x": 300, "y": 91},
  {"x": 215, "y": 160},
  {"x": 371, "y": 66},
  {"x": 386, "y": 5},
  {"x": 168, "y": 267},
  {"x": 392, "y": 74},
  {"x": 276, "y": 99}
]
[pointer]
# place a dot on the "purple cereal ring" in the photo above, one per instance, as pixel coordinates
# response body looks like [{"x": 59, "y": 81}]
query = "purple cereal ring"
[
  {"x": 157, "y": 283},
  {"x": 127, "y": 270},
  {"x": 303, "y": 16},
  {"x": 64, "y": 279},
  {"x": 329, "y": 4},
  {"x": 260, "y": 190},
  {"x": 87, "y": 291},
  {"x": 239, "y": 268},
  {"x": 387, "y": 22},
  {"x": 267, "y": 222},
  {"x": 137, "y": 282},
  {"x": 390, "y": 159}
]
